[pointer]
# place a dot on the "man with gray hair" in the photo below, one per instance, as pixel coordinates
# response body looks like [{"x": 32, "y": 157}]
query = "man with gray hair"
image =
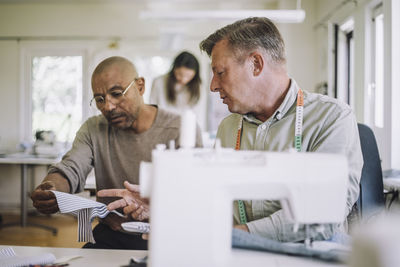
[
  {"x": 249, "y": 72},
  {"x": 114, "y": 144}
]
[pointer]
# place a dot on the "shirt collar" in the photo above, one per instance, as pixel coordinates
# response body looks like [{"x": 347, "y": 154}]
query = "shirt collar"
[{"x": 290, "y": 99}]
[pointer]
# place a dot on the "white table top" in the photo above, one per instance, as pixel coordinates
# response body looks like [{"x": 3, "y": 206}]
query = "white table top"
[
  {"x": 111, "y": 257},
  {"x": 249, "y": 258},
  {"x": 89, "y": 257},
  {"x": 22, "y": 158},
  {"x": 391, "y": 183}
]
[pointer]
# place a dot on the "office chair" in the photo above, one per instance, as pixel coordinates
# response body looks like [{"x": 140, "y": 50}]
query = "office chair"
[{"x": 371, "y": 200}]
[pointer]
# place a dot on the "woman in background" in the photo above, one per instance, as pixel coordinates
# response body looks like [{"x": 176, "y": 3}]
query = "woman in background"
[{"x": 179, "y": 89}]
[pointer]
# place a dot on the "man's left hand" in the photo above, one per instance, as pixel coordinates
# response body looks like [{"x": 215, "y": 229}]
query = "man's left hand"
[
  {"x": 114, "y": 221},
  {"x": 242, "y": 227}
]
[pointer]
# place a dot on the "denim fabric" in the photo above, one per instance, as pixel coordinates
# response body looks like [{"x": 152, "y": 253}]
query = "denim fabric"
[{"x": 244, "y": 240}]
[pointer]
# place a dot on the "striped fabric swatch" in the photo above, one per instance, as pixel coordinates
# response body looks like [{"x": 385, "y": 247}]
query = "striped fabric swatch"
[
  {"x": 85, "y": 209},
  {"x": 8, "y": 258},
  {"x": 7, "y": 252}
]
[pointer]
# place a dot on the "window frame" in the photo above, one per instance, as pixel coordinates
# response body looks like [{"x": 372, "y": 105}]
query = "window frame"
[
  {"x": 384, "y": 135},
  {"x": 374, "y": 121},
  {"x": 344, "y": 61},
  {"x": 31, "y": 49}
]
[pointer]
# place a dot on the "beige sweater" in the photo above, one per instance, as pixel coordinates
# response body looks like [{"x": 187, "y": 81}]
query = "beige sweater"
[{"x": 115, "y": 154}]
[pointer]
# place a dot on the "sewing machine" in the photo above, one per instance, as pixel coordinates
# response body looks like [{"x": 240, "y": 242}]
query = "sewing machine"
[{"x": 192, "y": 191}]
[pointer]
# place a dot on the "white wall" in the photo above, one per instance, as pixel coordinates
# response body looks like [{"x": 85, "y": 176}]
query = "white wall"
[
  {"x": 9, "y": 91},
  {"x": 301, "y": 45},
  {"x": 9, "y": 110},
  {"x": 392, "y": 77},
  {"x": 396, "y": 83}
]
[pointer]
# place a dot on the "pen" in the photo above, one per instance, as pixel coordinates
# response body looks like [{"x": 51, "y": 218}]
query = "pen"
[{"x": 49, "y": 265}]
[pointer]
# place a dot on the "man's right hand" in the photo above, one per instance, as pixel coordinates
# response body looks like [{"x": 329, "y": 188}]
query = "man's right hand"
[
  {"x": 114, "y": 221},
  {"x": 43, "y": 199}
]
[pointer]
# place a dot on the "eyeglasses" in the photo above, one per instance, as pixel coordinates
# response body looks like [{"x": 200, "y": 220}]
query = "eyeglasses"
[{"x": 116, "y": 96}]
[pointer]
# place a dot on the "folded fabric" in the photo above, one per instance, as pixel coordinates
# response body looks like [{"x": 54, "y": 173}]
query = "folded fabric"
[
  {"x": 85, "y": 209},
  {"x": 244, "y": 240},
  {"x": 136, "y": 227},
  {"x": 8, "y": 258}
]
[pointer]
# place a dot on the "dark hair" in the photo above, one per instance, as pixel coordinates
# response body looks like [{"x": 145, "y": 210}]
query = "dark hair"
[
  {"x": 184, "y": 59},
  {"x": 248, "y": 34}
]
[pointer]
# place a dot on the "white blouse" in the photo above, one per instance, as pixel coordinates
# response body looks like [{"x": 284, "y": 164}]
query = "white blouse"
[{"x": 158, "y": 96}]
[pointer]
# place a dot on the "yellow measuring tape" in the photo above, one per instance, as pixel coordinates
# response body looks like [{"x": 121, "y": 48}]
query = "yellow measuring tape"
[
  {"x": 242, "y": 210},
  {"x": 297, "y": 143}
]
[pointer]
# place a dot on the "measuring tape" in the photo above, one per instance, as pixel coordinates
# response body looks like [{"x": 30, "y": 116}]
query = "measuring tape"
[
  {"x": 242, "y": 210},
  {"x": 297, "y": 143},
  {"x": 298, "y": 131}
]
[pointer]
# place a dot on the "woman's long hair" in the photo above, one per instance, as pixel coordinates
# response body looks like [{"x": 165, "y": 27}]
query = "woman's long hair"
[{"x": 184, "y": 59}]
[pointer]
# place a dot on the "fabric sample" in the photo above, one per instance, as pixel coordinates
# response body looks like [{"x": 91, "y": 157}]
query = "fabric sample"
[
  {"x": 244, "y": 240},
  {"x": 8, "y": 258},
  {"x": 85, "y": 209}
]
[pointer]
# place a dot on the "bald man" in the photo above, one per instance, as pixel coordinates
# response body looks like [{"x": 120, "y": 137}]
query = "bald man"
[{"x": 114, "y": 144}]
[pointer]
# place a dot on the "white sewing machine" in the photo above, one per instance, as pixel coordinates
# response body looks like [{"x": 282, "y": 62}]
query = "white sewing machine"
[{"x": 192, "y": 191}]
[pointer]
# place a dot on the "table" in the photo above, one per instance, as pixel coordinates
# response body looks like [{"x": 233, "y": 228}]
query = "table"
[
  {"x": 111, "y": 257},
  {"x": 26, "y": 160},
  {"x": 392, "y": 186},
  {"x": 89, "y": 257}
]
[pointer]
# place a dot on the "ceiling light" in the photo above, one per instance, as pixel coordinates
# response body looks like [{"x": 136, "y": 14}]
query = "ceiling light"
[{"x": 276, "y": 15}]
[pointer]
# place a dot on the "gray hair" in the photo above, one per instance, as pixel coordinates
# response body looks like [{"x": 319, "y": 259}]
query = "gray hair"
[{"x": 248, "y": 34}]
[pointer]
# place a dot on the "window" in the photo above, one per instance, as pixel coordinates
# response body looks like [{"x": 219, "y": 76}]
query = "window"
[
  {"x": 377, "y": 83},
  {"x": 57, "y": 95},
  {"x": 345, "y": 62},
  {"x": 54, "y": 93},
  {"x": 378, "y": 89}
]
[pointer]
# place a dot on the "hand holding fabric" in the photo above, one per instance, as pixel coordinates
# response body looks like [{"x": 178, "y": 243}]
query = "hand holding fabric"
[
  {"x": 114, "y": 221},
  {"x": 43, "y": 199}
]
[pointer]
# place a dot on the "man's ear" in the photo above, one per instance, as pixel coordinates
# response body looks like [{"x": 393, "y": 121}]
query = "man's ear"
[
  {"x": 140, "y": 83},
  {"x": 257, "y": 61}
]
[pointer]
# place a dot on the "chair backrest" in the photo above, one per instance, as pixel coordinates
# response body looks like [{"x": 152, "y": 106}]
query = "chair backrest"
[{"x": 371, "y": 199}]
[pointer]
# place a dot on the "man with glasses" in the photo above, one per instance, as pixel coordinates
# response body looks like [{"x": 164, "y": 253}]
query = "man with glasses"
[{"x": 114, "y": 144}]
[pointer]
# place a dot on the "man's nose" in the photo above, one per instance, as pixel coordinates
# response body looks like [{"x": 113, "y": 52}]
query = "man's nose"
[
  {"x": 109, "y": 103},
  {"x": 214, "y": 85}
]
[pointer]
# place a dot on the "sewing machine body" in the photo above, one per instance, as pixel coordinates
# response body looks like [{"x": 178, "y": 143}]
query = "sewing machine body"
[{"x": 192, "y": 192}]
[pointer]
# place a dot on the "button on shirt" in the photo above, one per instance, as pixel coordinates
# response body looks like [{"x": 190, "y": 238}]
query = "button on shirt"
[{"x": 328, "y": 126}]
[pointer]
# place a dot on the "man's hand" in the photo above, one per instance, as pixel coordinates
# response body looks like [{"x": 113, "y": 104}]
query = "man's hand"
[
  {"x": 44, "y": 200},
  {"x": 114, "y": 221},
  {"x": 131, "y": 202},
  {"x": 242, "y": 227},
  {"x": 145, "y": 236},
  {"x": 139, "y": 212}
]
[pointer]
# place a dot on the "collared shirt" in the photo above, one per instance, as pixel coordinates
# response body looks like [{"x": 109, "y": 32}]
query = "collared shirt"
[{"x": 328, "y": 126}]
